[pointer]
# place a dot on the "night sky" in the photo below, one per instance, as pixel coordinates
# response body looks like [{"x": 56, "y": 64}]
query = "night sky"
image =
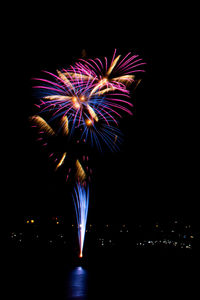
[{"x": 153, "y": 174}]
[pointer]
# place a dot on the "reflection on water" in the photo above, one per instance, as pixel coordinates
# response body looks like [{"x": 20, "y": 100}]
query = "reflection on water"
[{"x": 77, "y": 284}]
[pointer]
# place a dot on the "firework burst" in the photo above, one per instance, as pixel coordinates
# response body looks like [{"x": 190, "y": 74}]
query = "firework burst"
[
  {"x": 115, "y": 75},
  {"x": 81, "y": 99}
]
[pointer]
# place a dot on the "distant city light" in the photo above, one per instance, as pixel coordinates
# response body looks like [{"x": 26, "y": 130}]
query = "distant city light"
[{"x": 175, "y": 237}]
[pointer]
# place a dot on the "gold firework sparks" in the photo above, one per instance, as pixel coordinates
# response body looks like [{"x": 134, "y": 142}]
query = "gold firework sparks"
[
  {"x": 42, "y": 124},
  {"x": 65, "y": 79},
  {"x": 61, "y": 160},
  {"x": 64, "y": 125},
  {"x": 113, "y": 64},
  {"x": 80, "y": 173}
]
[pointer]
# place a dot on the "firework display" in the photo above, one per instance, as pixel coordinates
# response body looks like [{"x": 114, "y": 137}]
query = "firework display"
[{"x": 83, "y": 104}]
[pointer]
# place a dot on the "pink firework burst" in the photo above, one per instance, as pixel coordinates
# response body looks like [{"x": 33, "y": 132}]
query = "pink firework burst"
[
  {"x": 115, "y": 75},
  {"x": 81, "y": 99}
]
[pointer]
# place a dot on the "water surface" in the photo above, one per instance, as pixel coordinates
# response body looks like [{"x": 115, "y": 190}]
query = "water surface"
[{"x": 36, "y": 276}]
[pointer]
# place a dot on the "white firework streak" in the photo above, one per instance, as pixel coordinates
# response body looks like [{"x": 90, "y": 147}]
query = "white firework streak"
[{"x": 81, "y": 203}]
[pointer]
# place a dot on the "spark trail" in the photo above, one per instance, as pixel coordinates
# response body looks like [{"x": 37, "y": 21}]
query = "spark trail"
[{"x": 81, "y": 203}]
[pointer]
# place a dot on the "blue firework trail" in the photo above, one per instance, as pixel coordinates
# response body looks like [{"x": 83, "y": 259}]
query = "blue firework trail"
[
  {"x": 102, "y": 136},
  {"x": 81, "y": 203}
]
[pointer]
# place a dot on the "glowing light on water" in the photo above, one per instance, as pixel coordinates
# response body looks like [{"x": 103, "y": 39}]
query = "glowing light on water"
[
  {"x": 78, "y": 284},
  {"x": 81, "y": 203}
]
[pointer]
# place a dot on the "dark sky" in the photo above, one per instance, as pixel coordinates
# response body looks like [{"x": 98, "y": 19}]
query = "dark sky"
[{"x": 153, "y": 175}]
